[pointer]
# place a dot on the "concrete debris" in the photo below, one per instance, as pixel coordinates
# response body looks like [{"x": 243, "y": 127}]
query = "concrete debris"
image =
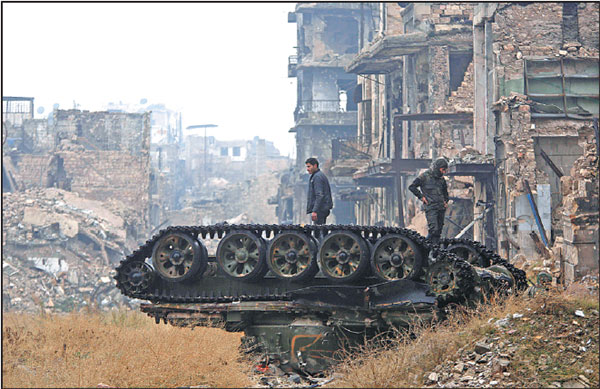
[{"x": 59, "y": 251}]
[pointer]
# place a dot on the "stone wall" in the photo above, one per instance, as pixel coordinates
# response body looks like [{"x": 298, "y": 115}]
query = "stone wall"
[
  {"x": 31, "y": 170},
  {"x": 104, "y": 130},
  {"x": 518, "y": 35},
  {"x": 587, "y": 15},
  {"x": 108, "y": 174}
]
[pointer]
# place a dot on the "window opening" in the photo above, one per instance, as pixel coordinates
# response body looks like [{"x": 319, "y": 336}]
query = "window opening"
[
  {"x": 459, "y": 62},
  {"x": 564, "y": 87}
]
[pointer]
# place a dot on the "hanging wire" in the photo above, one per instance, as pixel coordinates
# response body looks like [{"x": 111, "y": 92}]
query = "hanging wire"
[{"x": 370, "y": 79}]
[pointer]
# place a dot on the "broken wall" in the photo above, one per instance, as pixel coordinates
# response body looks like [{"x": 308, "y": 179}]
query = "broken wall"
[
  {"x": 99, "y": 155},
  {"x": 528, "y": 124},
  {"x": 327, "y": 33},
  {"x": 129, "y": 132}
]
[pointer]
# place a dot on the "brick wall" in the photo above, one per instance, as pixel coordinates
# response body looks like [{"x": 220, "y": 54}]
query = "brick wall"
[
  {"x": 104, "y": 130},
  {"x": 587, "y": 15},
  {"x": 100, "y": 175},
  {"x": 450, "y": 15},
  {"x": 31, "y": 170}
]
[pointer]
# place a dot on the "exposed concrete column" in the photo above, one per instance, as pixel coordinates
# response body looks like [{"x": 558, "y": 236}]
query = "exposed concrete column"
[
  {"x": 409, "y": 92},
  {"x": 479, "y": 109},
  {"x": 490, "y": 88}
]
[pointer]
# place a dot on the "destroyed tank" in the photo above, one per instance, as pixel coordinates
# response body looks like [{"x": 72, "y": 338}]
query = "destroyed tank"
[{"x": 301, "y": 293}]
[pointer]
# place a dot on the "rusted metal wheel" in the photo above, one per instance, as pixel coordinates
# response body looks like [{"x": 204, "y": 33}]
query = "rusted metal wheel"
[
  {"x": 136, "y": 277},
  {"x": 445, "y": 281},
  {"x": 395, "y": 257},
  {"x": 292, "y": 256},
  {"x": 241, "y": 255},
  {"x": 178, "y": 257},
  {"x": 509, "y": 280},
  {"x": 343, "y": 256}
]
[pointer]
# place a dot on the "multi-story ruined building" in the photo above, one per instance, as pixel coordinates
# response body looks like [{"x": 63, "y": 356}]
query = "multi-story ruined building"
[
  {"x": 511, "y": 101},
  {"x": 329, "y": 36},
  {"x": 414, "y": 106},
  {"x": 99, "y": 155}
]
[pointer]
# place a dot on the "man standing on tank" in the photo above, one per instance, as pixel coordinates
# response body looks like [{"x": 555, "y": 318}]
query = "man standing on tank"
[
  {"x": 319, "y": 202},
  {"x": 434, "y": 194}
]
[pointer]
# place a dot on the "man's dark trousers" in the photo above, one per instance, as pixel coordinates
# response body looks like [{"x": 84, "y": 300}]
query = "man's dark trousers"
[
  {"x": 435, "y": 223},
  {"x": 321, "y": 217}
]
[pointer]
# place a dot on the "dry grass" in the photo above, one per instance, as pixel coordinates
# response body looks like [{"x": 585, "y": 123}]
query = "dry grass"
[
  {"x": 403, "y": 362},
  {"x": 121, "y": 349}
]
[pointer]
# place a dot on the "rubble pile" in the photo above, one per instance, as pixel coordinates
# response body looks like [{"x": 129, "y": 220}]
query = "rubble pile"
[
  {"x": 513, "y": 101},
  {"x": 59, "y": 250},
  {"x": 502, "y": 358}
]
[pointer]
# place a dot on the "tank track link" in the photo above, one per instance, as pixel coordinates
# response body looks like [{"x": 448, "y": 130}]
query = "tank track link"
[
  {"x": 369, "y": 233},
  {"x": 490, "y": 257}
]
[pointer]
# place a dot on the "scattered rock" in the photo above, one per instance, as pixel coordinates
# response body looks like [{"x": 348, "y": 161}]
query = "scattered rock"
[
  {"x": 501, "y": 322},
  {"x": 295, "y": 378},
  {"x": 433, "y": 377},
  {"x": 481, "y": 348}
]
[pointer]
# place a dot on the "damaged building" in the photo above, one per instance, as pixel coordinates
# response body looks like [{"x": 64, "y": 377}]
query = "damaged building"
[
  {"x": 75, "y": 200},
  {"x": 511, "y": 103},
  {"x": 329, "y": 36},
  {"x": 81, "y": 190}
]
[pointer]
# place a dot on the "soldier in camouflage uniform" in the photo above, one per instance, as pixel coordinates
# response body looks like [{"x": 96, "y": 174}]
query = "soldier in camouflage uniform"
[{"x": 434, "y": 194}]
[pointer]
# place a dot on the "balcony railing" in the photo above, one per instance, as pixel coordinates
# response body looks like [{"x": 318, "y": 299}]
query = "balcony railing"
[
  {"x": 321, "y": 106},
  {"x": 292, "y": 65}
]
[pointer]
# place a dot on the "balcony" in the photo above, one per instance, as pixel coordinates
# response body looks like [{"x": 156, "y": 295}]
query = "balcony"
[
  {"x": 323, "y": 112},
  {"x": 292, "y": 65}
]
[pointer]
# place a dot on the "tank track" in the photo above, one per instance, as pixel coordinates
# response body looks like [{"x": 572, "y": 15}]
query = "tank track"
[
  {"x": 490, "y": 257},
  {"x": 431, "y": 254}
]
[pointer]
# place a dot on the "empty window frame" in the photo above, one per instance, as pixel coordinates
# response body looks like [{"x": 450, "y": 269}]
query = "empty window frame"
[{"x": 562, "y": 87}]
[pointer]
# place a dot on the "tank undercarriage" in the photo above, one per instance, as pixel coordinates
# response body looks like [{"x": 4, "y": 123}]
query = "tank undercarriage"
[{"x": 301, "y": 293}]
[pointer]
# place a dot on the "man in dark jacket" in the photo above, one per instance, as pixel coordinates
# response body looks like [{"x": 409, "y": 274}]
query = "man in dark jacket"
[
  {"x": 319, "y": 202},
  {"x": 434, "y": 194}
]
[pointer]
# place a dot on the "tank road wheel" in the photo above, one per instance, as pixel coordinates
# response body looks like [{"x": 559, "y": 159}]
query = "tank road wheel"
[
  {"x": 292, "y": 256},
  {"x": 179, "y": 257},
  {"x": 394, "y": 257},
  {"x": 136, "y": 277},
  {"x": 468, "y": 253},
  {"x": 509, "y": 281},
  {"x": 241, "y": 255},
  {"x": 343, "y": 256},
  {"x": 449, "y": 281}
]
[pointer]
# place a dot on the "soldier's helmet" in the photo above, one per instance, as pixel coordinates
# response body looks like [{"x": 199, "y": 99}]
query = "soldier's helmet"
[{"x": 440, "y": 163}]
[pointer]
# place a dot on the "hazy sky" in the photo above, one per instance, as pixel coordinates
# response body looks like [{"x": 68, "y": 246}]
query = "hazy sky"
[{"x": 223, "y": 64}]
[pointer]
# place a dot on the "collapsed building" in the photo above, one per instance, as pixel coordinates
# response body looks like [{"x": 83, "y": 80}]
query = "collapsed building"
[
  {"x": 82, "y": 189},
  {"x": 75, "y": 196},
  {"x": 511, "y": 102},
  {"x": 99, "y": 155}
]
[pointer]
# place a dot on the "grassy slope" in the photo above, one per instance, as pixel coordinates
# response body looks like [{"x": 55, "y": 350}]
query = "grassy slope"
[
  {"x": 545, "y": 343},
  {"x": 121, "y": 349},
  {"x": 126, "y": 349}
]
